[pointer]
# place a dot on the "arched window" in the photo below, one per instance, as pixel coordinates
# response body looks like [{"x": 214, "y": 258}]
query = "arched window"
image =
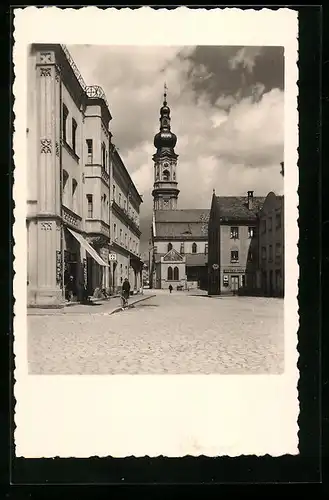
[
  {"x": 176, "y": 273},
  {"x": 169, "y": 276},
  {"x": 194, "y": 248},
  {"x": 169, "y": 247},
  {"x": 166, "y": 175}
]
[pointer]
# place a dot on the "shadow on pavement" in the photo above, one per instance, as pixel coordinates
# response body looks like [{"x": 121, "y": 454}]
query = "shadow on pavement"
[{"x": 146, "y": 305}]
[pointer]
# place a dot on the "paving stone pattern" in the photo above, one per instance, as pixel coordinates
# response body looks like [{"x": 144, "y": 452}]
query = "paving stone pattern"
[{"x": 167, "y": 334}]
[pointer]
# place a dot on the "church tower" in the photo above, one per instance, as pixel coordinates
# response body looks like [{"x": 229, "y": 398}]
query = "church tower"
[{"x": 165, "y": 192}]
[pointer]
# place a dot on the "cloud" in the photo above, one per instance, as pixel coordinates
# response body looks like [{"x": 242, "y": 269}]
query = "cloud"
[
  {"x": 245, "y": 57},
  {"x": 233, "y": 145}
]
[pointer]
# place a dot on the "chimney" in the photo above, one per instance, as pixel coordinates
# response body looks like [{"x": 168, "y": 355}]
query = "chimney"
[{"x": 250, "y": 199}]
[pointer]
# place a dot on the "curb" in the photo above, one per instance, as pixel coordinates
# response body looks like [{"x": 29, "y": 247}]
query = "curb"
[{"x": 130, "y": 305}]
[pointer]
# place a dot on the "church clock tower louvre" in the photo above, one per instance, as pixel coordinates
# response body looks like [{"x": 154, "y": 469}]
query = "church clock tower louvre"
[{"x": 165, "y": 191}]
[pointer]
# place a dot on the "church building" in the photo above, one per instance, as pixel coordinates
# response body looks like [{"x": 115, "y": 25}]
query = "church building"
[{"x": 179, "y": 236}]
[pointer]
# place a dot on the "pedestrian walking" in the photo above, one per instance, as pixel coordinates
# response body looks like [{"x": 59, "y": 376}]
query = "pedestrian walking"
[
  {"x": 170, "y": 289},
  {"x": 125, "y": 293}
]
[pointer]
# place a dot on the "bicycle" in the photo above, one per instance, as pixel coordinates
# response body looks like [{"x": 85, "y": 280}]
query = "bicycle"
[{"x": 124, "y": 302}]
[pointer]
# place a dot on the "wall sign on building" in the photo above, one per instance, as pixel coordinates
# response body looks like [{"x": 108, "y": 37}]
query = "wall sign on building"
[
  {"x": 59, "y": 267},
  {"x": 237, "y": 270}
]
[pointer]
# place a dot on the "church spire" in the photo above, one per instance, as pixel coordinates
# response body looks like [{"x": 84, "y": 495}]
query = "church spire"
[
  {"x": 165, "y": 192},
  {"x": 165, "y": 140}
]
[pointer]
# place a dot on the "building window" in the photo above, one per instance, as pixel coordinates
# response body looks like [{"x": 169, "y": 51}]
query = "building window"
[
  {"x": 234, "y": 256},
  {"x": 234, "y": 233},
  {"x": 130, "y": 243},
  {"x": 120, "y": 235},
  {"x": 169, "y": 274},
  {"x": 182, "y": 249},
  {"x": 250, "y": 256},
  {"x": 90, "y": 206},
  {"x": 194, "y": 248},
  {"x": 176, "y": 273},
  {"x": 125, "y": 205},
  {"x": 270, "y": 253},
  {"x": 115, "y": 231},
  {"x": 155, "y": 249},
  {"x": 113, "y": 192},
  {"x": 243, "y": 280},
  {"x": 120, "y": 199},
  {"x": 270, "y": 224},
  {"x": 263, "y": 253},
  {"x": 251, "y": 232},
  {"x": 65, "y": 186},
  {"x": 65, "y": 115},
  {"x": 277, "y": 221},
  {"x": 278, "y": 250},
  {"x": 74, "y": 134},
  {"x": 166, "y": 175},
  {"x": 89, "y": 151},
  {"x": 103, "y": 156},
  {"x": 125, "y": 239},
  {"x": 206, "y": 249},
  {"x": 169, "y": 247},
  {"x": 264, "y": 226},
  {"x": 74, "y": 195}
]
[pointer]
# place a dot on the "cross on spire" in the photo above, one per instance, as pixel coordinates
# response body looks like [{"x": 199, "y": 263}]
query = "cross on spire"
[{"x": 165, "y": 93}]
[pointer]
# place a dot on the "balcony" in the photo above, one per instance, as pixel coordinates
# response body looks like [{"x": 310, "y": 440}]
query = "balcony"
[
  {"x": 71, "y": 218},
  {"x": 97, "y": 226}
]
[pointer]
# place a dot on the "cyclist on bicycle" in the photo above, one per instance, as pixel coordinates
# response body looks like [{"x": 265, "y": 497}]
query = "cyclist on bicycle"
[{"x": 125, "y": 293}]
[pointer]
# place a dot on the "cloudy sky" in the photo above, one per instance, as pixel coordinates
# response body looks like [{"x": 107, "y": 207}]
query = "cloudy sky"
[{"x": 226, "y": 109}]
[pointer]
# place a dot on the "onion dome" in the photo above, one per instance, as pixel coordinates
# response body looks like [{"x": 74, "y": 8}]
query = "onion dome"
[{"x": 165, "y": 138}]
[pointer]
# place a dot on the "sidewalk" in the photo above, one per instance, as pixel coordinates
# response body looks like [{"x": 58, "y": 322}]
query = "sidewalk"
[{"x": 96, "y": 306}]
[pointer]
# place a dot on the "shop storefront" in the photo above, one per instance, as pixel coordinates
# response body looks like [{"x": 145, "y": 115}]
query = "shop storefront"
[
  {"x": 85, "y": 269},
  {"x": 233, "y": 279}
]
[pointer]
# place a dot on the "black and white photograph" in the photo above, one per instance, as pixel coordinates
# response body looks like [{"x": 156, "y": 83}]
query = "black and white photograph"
[{"x": 154, "y": 217}]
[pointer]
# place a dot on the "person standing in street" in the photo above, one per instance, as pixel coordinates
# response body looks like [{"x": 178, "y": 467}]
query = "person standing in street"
[
  {"x": 170, "y": 288},
  {"x": 125, "y": 293}
]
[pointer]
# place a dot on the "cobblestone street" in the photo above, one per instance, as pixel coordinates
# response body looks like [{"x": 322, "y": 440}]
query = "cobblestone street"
[{"x": 173, "y": 334}]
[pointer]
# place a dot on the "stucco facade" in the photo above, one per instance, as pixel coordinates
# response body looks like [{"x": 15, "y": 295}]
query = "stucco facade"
[
  {"x": 233, "y": 243},
  {"x": 271, "y": 246},
  {"x": 125, "y": 226},
  {"x": 69, "y": 148}
]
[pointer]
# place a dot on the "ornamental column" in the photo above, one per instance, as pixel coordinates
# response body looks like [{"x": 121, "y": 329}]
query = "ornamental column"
[{"x": 49, "y": 254}]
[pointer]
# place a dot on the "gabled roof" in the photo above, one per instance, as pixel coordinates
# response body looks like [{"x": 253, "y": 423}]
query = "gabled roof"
[
  {"x": 173, "y": 256},
  {"x": 236, "y": 207},
  {"x": 191, "y": 260}
]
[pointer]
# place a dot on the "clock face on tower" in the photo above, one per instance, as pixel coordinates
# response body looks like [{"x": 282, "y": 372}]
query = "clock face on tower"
[{"x": 166, "y": 165}]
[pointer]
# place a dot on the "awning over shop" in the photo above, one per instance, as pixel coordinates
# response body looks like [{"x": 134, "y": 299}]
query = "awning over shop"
[{"x": 92, "y": 252}]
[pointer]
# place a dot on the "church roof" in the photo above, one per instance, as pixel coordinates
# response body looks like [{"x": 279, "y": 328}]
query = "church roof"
[
  {"x": 186, "y": 224},
  {"x": 184, "y": 215},
  {"x": 236, "y": 207},
  {"x": 196, "y": 259}
]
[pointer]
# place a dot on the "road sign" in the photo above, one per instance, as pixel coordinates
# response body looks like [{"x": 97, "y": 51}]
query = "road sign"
[
  {"x": 215, "y": 267},
  {"x": 112, "y": 256}
]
